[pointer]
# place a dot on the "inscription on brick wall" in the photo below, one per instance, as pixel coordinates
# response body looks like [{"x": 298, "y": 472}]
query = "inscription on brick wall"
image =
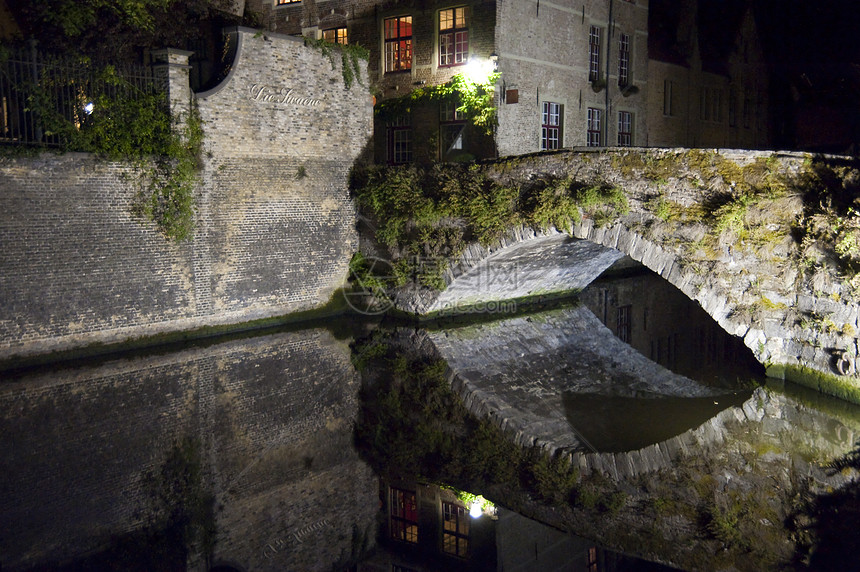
[{"x": 284, "y": 95}]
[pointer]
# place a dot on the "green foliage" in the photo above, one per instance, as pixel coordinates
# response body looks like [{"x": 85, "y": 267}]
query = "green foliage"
[
  {"x": 475, "y": 100},
  {"x": 350, "y": 57},
  {"x": 168, "y": 199},
  {"x": 127, "y": 123},
  {"x": 434, "y": 212}
]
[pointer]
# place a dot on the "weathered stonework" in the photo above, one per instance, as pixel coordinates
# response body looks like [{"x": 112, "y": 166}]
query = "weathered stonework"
[
  {"x": 275, "y": 227},
  {"x": 755, "y": 293}
]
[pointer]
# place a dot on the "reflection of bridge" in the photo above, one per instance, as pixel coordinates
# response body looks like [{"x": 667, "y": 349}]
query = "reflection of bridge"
[{"x": 745, "y": 276}]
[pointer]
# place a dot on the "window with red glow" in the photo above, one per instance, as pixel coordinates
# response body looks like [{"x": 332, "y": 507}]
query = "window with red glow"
[
  {"x": 403, "y": 514},
  {"x": 398, "y": 43}
]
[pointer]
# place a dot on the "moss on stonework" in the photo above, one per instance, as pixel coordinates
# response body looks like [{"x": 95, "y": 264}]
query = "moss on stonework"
[
  {"x": 168, "y": 341},
  {"x": 843, "y": 387}
]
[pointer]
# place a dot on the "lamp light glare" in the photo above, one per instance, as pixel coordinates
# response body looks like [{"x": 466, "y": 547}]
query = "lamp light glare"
[
  {"x": 475, "y": 510},
  {"x": 88, "y": 108},
  {"x": 478, "y": 71}
]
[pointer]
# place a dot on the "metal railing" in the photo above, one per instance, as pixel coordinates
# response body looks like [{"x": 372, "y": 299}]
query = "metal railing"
[{"x": 33, "y": 84}]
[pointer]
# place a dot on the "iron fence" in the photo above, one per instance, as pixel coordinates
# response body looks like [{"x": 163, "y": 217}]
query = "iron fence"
[{"x": 37, "y": 90}]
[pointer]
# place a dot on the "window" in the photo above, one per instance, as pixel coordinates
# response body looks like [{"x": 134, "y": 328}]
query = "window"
[
  {"x": 400, "y": 141},
  {"x": 594, "y": 54},
  {"x": 282, "y": 2},
  {"x": 551, "y": 126},
  {"x": 747, "y": 108},
  {"x": 591, "y": 559},
  {"x": 451, "y": 126},
  {"x": 622, "y": 323},
  {"x": 711, "y": 105},
  {"x": 453, "y": 37},
  {"x": 625, "y": 129},
  {"x": 624, "y": 60},
  {"x": 593, "y": 127},
  {"x": 455, "y": 530},
  {"x": 668, "y": 88},
  {"x": 398, "y": 44},
  {"x": 335, "y": 36},
  {"x": 403, "y": 515}
]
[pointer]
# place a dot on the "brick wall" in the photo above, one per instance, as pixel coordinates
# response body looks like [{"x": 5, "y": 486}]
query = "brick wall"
[{"x": 275, "y": 225}]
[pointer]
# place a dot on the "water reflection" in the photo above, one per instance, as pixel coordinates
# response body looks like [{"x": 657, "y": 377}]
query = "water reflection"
[{"x": 273, "y": 452}]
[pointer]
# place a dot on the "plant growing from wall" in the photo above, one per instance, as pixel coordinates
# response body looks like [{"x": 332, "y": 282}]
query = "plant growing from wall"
[
  {"x": 350, "y": 57},
  {"x": 433, "y": 213},
  {"x": 123, "y": 122}
]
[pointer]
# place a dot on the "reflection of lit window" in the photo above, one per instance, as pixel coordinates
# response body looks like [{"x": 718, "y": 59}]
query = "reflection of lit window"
[
  {"x": 455, "y": 530},
  {"x": 453, "y": 37},
  {"x": 398, "y": 43},
  {"x": 404, "y": 515},
  {"x": 335, "y": 36},
  {"x": 591, "y": 560},
  {"x": 623, "y": 323}
]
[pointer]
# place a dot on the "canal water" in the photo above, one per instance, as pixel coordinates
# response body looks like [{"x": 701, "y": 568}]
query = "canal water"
[{"x": 341, "y": 445}]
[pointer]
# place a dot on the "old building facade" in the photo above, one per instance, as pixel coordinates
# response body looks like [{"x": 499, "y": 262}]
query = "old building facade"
[
  {"x": 606, "y": 73},
  {"x": 708, "y": 77},
  {"x": 570, "y": 75}
]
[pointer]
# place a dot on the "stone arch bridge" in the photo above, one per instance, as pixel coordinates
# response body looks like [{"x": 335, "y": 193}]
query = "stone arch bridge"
[{"x": 721, "y": 226}]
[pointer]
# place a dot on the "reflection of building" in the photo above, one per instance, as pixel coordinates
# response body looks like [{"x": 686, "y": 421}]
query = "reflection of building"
[
  {"x": 664, "y": 325},
  {"x": 426, "y": 528},
  {"x": 570, "y": 75}
]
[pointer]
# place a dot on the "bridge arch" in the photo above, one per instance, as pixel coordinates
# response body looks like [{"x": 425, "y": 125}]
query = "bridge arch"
[{"x": 755, "y": 294}]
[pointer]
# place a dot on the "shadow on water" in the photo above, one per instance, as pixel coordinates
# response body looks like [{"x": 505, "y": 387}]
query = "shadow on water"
[{"x": 616, "y": 423}]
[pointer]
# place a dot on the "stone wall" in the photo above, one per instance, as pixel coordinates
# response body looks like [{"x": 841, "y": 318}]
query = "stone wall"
[
  {"x": 275, "y": 225},
  {"x": 757, "y": 293},
  {"x": 271, "y": 416}
]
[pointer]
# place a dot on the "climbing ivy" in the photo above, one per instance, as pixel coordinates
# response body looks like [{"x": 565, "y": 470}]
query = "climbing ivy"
[
  {"x": 475, "y": 100},
  {"x": 125, "y": 122},
  {"x": 350, "y": 55}
]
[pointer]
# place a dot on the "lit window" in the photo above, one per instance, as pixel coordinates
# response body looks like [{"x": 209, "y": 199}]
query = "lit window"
[
  {"x": 551, "y": 135},
  {"x": 282, "y": 2},
  {"x": 668, "y": 86},
  {"x": 398, "y": 44},
  {"x": 452, "y": 123},
  {"x": 403, "y": 515},
  {"x": 594, "y": 120},
  {"x": 625, "y": 129},
  {"x": 400, "y": 141},
  {"x": 455, "y": 530},
  {"x": 453, "y": 37},
  {"x": 335, "y": 36},
  {"x": 624, "y": 60},
  {"x": 594, "y": 54}
]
